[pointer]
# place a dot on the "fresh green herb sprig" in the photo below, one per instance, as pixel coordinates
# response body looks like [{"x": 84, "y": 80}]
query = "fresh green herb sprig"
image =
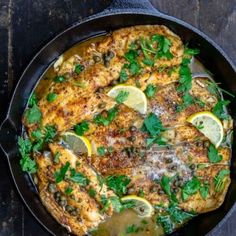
[
  {"x": 191, "y": 187},
  {"x": 81, "y": 128},
  {"x": 102, "y": 120},
  {"x": 219, "y": 180},
  {"x": 25, "y": 147},
  {"x": 213, "y": 154},
  {"x": 219, "y": 109},
  {"x": 150, "y": 91},
  {"x": 118, "y": 183},
  {"x": 122, "y": 96},
  {"x": 153, "y": 126}
]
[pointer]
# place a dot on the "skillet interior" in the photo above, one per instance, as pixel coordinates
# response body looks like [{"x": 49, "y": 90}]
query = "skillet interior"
[{"x": 211, "y": 58}]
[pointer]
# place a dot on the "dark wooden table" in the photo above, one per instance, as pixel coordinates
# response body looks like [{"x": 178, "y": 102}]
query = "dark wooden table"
[{"x": 26, "y": 25}]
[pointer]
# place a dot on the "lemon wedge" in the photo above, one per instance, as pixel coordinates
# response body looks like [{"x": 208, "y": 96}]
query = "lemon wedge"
[
  {"x": 208, "y": 124},
  {"x": 78, "y": 144},
  {"x": 141, "y": 206},
  {"x": 136, "y": 98}
]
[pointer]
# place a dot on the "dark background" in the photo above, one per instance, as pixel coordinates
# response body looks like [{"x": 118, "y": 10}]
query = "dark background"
[{"x": 26, "y": 25}]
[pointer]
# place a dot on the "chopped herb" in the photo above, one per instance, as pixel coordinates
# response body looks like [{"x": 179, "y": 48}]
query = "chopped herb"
[
  {"x": 50, "y": 133},
  {"x": 68, "y": 190},
  {"x": 92, "y": 192},
  {"x": 191, "y": 51},
  {"x": 122, "y": 96},
  {"x": 150, "y": 91},
  {"x": 178, "y": 216},
  {"x": 134, "y": 68},
  {"x": 213, "y": 154},
  {"x": 144, "y": 222},
  {"x": 59, "y": 79},
  {"x": 79, "y": 178},
  {"x": 185, "y": 79},
  {"x": 60, "y": 175},
  {"x": 33, "y": 100},
  {"x": 219, "y": 180},
  {"x": 153, "y": 125},
  {"x": 110, "y": 149},
  {"x": 141, "y": 192},
  {"x": 116, "y": 204},
  {"x": 131, "y": 55},
  {"x": 79, "y": 68},
  {"x": 118, "y": 183},
  {"x": 56, "y": 157},
  {"x": 111, "y": 114},
  {"x": 37, "y": 134},
  {"x": 27, "y": 164},
  {"x": 219, "y": 109},
  {"x": 81, "y": 128},
  {"x": 101, "y": 151},
  {"x": 204, "y": 190},
  {"x": 190, "y": 188},
  {"x": 165, "y": 185},
  {"x": 105, "y": 202},
  {"x": 51, "y": 97},
  {"x": 148, "y": 62},
  {"x": 166, "y": 223},
  {"x": 164, "y": 45},
  {"x": 33, "y": 115},
  {"x": 123, "y": 75},
  {"x": 132, "y": 229},
  {"x": 187, "y": 101}
]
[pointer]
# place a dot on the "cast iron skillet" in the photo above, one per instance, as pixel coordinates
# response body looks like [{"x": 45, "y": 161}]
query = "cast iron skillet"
[{"x": 121, "y": 13}]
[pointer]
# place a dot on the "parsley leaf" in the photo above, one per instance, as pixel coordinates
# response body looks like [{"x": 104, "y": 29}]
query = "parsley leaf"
[
  {"x": 79, "y": 68},
  {"x": 213, "y": 154},
  {"x": 33, "y": 115},
  {"x": 219, "y": 109},
  {"x": 191, "y": 51},
  {"x": 81, "y": 128},
  {"x": 150, "y": 91},
  {"x": 59, "y": 79},
  {"x": 27, "y": 164},
  {"x": 219, "y": 180},
  {"x": 51, "y": 97},
  {"x": 92, "y": 192},
  {"x": 190, "y": 187},
  {"x": 118, "y": 183},
  {"x": 165, "y": 185},
  {"x": 166, "y": 223},
  {"x": 68, "y": 190},
  {"x": 153, "y": 125},
  {"x": 111, "y": 114},
  {"x": 101, "y": 151},
  {"x": 105, "y": 202},
  {"x": 132, "y": 229},
  {"x": 122, "y": 96},
  {"x": 50, "y": 133},
  {"x": 204, "y": 190},
  {"x": 123, "y": 75},
  {"x": 79, "y": 178},
  {"x": 116, "y": 204},
  {"x": 148, "y": 62},
  {"x": 32, "y": 100},
  {"x": 60, "y": 175}
]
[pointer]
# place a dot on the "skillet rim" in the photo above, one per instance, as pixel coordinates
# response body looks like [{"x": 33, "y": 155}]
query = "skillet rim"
[{"x": 96, "y": 17}]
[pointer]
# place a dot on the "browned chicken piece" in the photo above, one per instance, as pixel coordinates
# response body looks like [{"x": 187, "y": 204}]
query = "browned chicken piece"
[
  {"x": 70, "y": 94},
  {"x": 217, "y": 191},
  {"x": 77, "y": 210},
  {"x": 165, "y": 103}
]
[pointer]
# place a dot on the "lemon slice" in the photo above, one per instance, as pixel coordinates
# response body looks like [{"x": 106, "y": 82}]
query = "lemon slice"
[
  {"x": 136, "y": 99},
  {"x": 141, "y": 206},
  {"x": 78, "y": 144},
  {"x": 208, "y": 124}
]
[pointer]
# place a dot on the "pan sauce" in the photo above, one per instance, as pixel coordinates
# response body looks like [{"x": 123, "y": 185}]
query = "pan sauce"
[{"x": 184, "y": 155}]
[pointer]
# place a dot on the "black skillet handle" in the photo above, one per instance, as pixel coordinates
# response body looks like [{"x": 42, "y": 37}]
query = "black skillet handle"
[
  {"x": 8, "y": 137},
  {"x": 140, "y": 6}
]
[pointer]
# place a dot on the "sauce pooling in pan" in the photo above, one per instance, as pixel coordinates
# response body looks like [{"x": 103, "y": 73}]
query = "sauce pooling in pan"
[{"x": 128, "y": 135}]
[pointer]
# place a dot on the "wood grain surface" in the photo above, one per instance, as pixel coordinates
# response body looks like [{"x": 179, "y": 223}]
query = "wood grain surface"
[{"x": 26, "y": 25}]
